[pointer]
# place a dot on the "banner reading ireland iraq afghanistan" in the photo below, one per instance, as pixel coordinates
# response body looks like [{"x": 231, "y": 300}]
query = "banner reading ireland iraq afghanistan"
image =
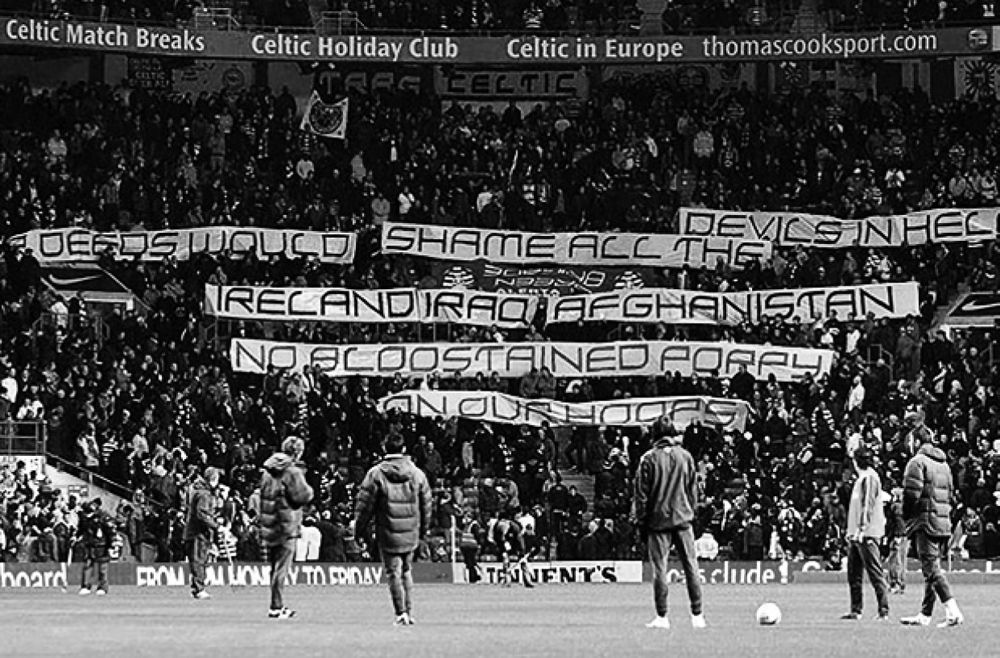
[
  {"x": 892, "y": 300},
  {"x": 374, "y": 306},
  {"x": 616, "y": 249},
  {"x": 790, "y": 229},
  {"x": 618, "y": 359}
]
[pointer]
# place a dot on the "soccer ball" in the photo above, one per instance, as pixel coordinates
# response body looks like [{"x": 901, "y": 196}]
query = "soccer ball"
[{"x": 768, "y": 614}]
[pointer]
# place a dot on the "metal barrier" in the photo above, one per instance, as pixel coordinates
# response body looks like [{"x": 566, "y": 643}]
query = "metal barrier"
[
  {"x": 209, "y": 18},
  {"x": 339, "y": 22},
  {"x": 22, "y": 438},
  {"x": 92, "y": 478}
]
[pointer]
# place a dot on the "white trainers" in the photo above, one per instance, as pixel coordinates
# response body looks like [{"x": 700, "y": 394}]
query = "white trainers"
[
  {"x": 916, "y": 620},
  {"x": 402, "y": 620},
  {"x": 101, "y": 592},
  {"x": 84, "y": 591},
  {"x": 202, "y": 595},
  {"x": 659, "y": 622},
  {"x": 953, "y": 616},
  {"x": 698, "y": 621},
  {"x": 282, "y": 613}
]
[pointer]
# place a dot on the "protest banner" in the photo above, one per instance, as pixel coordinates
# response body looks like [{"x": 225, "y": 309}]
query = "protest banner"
[
  {"x": 549, "y": 281},
  {"x": 80, "y": 245},
  {"x": 617, "y": 359},
  {"x": 654, "y": 305},
  {"x": 492, "y": 407},
  {"x": 615, "y": 249},
  {"x": 374, "y": 306},
  {"x": 789, "y": 229}
]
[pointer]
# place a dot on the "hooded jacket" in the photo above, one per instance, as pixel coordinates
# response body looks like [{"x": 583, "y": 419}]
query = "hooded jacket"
[
  {"x": 395, "y": 493},
  {"x": 201, "y": 521},
  {"x": 927, "y": 493},
  {"x": 666, "y": 487},
  {"x": 283, "y": 493}
]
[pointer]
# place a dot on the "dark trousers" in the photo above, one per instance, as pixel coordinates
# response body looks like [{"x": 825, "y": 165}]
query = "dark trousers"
[
  {"x": 929, "y": 550},
  {"x": 197, "y": 552},
  {"x": 898, "y": 547},
  {"x": 864, "y": 556},
  {"x": 89, "y": 567},
  {"x": 659, "y": 544},
  {"x": 397, "y": 566},
  {"x": 470, "y": 555},
  {"x": 279, "y": 557}
]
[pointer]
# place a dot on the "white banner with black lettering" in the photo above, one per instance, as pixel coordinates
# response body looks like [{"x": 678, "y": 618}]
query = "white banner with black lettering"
[
  {"x": 620, "y": 359},
  {"x": 488, "y": 406},
  {"x": 653, "y": 305},
  {"x": 376, "y": 306},
  {"x": 619, "y": 249},
  {"x": 79, "y": 245},
  {"x": 789, "y": 229}
]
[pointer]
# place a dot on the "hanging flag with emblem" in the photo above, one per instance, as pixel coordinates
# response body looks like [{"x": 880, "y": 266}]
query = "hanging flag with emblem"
[{"x": 325, "y": 119}]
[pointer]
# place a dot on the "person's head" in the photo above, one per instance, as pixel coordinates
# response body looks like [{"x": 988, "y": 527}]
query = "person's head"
[
  {"x": 212, "y": 476},
  {"x": 862, "y": 458},
  {"x": 664, "y": 428},
  {"x": 394, "y": 445},
  {"x": 293, "y": 446}
]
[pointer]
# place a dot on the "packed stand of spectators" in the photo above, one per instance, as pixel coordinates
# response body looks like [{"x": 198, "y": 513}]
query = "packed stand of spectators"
[
  {"x": 273, "y": 13},
  {"x": 906, "y": 14},
  {"x": 149, "y": 400}
]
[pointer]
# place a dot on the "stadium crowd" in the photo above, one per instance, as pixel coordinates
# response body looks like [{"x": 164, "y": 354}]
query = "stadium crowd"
[{"x": 148, "y": 398}]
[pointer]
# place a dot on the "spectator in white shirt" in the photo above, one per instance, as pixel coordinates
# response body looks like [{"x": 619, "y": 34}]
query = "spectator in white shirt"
[
  {"x": 307, "y": 546},
  {"x": 8, "y": 387}
]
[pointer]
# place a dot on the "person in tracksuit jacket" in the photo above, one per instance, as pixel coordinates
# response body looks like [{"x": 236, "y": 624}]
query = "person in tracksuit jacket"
[
  {"x": 666, "y": 495},
  {"x": 927, "y": 495},
  {"x": 395, "y": 493},
  {"x": 96, "y": 532},
  {"x": 865, "y": 529},
  {"x": 283, "y": 493},
  {"x": 201, "y": 527}
]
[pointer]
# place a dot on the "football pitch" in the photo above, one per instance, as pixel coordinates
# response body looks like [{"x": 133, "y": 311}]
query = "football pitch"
[{"x": 456, "y": 620}]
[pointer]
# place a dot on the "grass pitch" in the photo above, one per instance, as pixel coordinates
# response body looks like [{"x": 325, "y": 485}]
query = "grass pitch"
[{"x": 468, "y": 621}]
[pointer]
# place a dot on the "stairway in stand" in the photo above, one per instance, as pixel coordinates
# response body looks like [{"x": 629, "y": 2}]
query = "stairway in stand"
[{"x": 583, "y": 482}]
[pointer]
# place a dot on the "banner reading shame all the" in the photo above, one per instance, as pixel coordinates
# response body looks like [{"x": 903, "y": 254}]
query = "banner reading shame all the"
[
  {"x": 618, "y": 359},
  {"x": 614, "y": 249},
  {"x": 892, "y": 300},
  {"x": 374, "y": 306},
  {"x": 493, "y": 407},
  {"x": 79, "y": 245},
  {"x": 790, "y": 229}
]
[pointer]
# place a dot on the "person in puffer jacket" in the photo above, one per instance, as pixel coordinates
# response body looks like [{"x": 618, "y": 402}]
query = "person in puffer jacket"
[
  {"x": 283, "y": 494},
  {"x": 395, "y": 493},
  {"x": 927, "y": 495}
]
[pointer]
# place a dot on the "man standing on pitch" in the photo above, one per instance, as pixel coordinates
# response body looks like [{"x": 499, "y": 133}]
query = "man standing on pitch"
[
  {"x": 283, "y": 494},
  {"x": 201, "y": 524},
  {"x": 395, "y": 493},
  {"x": 666, "y": 493},
  {"x": 865, "y": 528},
  {"x": 927, "y": 494}
]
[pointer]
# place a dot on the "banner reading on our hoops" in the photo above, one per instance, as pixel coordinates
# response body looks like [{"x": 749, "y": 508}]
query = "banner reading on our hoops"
[
  {"x": 620, "y": 359},
  {"x": 618, "y": 249},
  {"x": 788, "y": 229},
  {"x": 375, "y": 306},
  {"x": 493, "y": 407},
  {"x": 79, "y": 245},
  {"x": 892, "y": 300}
]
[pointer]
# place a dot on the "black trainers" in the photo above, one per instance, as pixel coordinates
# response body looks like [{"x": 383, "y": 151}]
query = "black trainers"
[{"x": 282, "y": 613}]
